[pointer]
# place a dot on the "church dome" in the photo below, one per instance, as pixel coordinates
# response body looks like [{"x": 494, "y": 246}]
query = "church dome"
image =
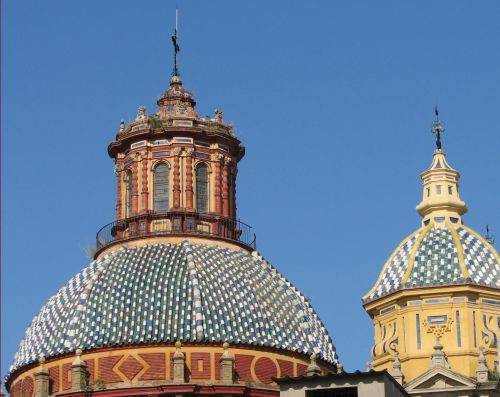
[
  {"x": 177, "y": 300},
  {"x": 436, "y": 256},
  {"x": 436, "y": 302},
  {"x": 186, "y": 291},
  {"x": 442, "y": 251}
]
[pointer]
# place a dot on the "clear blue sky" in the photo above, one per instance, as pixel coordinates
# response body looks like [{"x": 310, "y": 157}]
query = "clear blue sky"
[{"x": 333, "y": 100}]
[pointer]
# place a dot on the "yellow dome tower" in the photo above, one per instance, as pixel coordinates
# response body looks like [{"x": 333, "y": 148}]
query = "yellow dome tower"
[{"x": 436, "y": 304}]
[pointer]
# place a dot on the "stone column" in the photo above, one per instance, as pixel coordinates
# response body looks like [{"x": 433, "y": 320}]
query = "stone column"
[
  {"x": 42, "y": 379},
  {"x": 189, "y": 179},
  {"x": 135, "y": 186},
  {"x": 119, "y": 176},
  {"x": 177, "y": 178},
  {"x": 225, "y": 186},
  {"x": 144, "y": 178},
  {"x": 226, "y": 365},
  {"x": 78, "y": 372},
  {"x": 313, "y": 367},
  {"x": 178, "y": 361},
  {"x": 218, "y": 201}
]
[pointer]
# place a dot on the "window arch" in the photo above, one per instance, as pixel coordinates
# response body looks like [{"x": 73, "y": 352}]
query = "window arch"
[
  {"x": 161, "y": 187},
  {"x": 202, "y": 186},
  {"x": 128, "y": 193}
]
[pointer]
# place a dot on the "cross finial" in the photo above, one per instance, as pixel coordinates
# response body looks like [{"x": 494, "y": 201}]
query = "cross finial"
[
  {"x": 437, "y": 128},
  {"x": 175, "y": 42}
]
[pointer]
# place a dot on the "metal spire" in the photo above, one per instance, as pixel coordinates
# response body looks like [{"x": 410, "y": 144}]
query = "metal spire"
[
  {"x": 437, "y": 129},
  {"x": 175, "y": 42},
  {"x": 489, "y": 238}
]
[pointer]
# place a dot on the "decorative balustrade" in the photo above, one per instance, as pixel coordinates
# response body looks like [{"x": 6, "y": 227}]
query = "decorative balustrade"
[{"x": 175, "y": 223}]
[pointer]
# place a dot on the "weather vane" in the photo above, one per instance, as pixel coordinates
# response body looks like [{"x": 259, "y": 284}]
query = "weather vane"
[
  {"x": 437, "y": 129},
  {"x": 175, "y": 42}
]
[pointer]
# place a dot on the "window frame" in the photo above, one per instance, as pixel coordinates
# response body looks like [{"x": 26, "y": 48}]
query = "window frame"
[
  {"x": 166, "y": 182},
  {"x": 198, "y": 187}
]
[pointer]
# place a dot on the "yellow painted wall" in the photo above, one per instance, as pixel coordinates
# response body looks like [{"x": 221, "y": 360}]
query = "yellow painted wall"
[{"x": 398, "y": 312}]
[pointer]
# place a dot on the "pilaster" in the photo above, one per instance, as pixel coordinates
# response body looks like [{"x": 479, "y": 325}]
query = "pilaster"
[
  {"x": 135, "y": 186},
  {"x": 144, "y": 179},
  {"x": 119, "y": 176},
  {"x": 225, "y": 186},
  {"x": 189, "y": 178},
  {"x": 177, "y": 178},
  {"x": 42, "y": 379},
  {"x": 78, "y": 372},
  {"x": 218, "y": 199}
]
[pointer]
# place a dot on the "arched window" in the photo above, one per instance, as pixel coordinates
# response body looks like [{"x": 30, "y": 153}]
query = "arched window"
[
  {"x": 202, "y": 188},
  {"x": 160, "y": 187},
  {"x": 128, "y": 193}
]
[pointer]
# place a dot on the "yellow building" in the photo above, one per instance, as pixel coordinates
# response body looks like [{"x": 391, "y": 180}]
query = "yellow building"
[{"x": 436, "y": 303}]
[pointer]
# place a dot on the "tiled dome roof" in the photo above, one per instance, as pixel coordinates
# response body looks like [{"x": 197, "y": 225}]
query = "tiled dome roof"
[
  {"x": 434, "y": 256},
  {"x": 169, "y": 292}
]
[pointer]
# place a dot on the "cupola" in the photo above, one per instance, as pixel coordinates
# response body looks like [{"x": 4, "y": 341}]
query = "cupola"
[
  {"x": 176, "y": 103},
  {"x": 440, "y": 199},
  {"x": 442, "y": 281}
]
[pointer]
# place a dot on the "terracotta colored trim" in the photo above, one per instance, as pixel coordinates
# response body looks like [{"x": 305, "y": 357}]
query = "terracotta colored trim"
[{"x": 182, "y": 389}]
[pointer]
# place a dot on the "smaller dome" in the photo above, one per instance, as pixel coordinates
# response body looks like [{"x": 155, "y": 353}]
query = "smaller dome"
[
  {"x": 176, "y": 102},
  {"x": 436, "y": 256}
]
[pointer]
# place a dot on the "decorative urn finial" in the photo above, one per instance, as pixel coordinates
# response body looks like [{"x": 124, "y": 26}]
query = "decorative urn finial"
[
  {"x": 219, "y": 117},
  {"x": 438, "y": 357},
  {"x": 482, "y": 368},
  {"x": 226, "y": 365},
  {"x": 396, "y": 368},
  {"x": 141, "y": 113},
  {"x": 179, "y": 364},
  {"x": 313, "y": 368}
]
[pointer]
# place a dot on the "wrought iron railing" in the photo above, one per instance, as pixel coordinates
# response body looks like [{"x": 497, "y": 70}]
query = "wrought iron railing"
[{"x": 175, "y": 223}]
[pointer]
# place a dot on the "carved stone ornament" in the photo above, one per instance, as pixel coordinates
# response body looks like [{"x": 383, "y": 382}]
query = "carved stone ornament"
[
  {"x": 219, "y": 117},
  {"x": 181, "y": 108},
  {"x": 438, "y": 329},
  {"x": 189, "y": 151},
  {"x": 118, "y": 168},
  {"x": 141, "y": 113},
  {"x": 177, "y": 151},
  {"x": 220, "y": 156},
  {"x": 227, "y": 160}
]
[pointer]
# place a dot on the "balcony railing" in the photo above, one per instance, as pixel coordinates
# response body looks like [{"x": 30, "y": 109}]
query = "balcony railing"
[{"x": 175, "y": 223}]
